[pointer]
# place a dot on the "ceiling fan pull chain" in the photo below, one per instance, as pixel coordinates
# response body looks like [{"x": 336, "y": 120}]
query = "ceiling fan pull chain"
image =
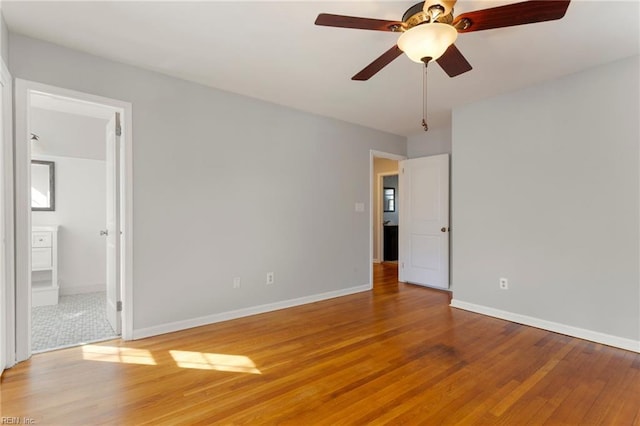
[{"x": 424, "y": 99}]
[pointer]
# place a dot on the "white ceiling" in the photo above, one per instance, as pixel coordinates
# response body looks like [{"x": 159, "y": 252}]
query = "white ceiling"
[
  {"x": 273, "y": 51},
  {"x": 65, "y": 134},
  {"x": 68, "y": 127}
]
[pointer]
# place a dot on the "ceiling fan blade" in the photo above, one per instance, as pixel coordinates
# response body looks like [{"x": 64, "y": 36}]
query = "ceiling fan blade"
[
  {"x": 453, "y": 62},
  {"x": 342, "y": 21},
  {"x": 385, "y": 59},
  {"x": 526, "y": 12}
]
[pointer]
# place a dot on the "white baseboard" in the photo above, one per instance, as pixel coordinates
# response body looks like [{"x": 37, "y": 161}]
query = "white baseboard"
[
  {"x": 66, "y": 290},
  {"x": 245, "y": 312},
  {"x": 376, "y": 261},
  {"x": 581, "y": 333}
]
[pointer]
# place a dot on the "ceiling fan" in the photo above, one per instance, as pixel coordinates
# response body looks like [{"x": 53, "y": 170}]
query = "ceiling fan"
[{"x": 429, "y": 29}]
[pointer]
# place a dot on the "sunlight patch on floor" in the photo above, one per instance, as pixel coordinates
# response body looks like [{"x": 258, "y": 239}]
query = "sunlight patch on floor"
[
  {"x": 117, "y": 354},
  {"x": 219, "y": 362}
]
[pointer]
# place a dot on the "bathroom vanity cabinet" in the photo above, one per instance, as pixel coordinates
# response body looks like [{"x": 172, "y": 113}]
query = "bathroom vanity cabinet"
[
  {"x": 390, "y": 243},
  {"x": 44, "y": 266}
]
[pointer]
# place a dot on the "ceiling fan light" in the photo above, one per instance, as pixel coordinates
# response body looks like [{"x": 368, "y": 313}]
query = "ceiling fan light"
[{"x": 427, "y": 41}]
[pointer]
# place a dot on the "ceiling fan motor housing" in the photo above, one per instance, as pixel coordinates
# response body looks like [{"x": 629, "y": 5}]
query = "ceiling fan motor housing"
[
  {"x": 421, "y": 13},
  {"x": 438, "y": 7}
]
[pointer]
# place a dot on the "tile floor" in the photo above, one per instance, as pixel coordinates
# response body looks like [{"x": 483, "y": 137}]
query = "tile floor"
[{"x": 75, "y": 320}]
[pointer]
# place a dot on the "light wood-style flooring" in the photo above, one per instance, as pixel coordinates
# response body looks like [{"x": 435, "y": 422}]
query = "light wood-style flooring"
[{"x": 396, "y": 355}]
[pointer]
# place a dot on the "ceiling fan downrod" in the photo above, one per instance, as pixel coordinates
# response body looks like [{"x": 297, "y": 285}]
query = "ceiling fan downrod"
[{"x": 425, "y": 126}]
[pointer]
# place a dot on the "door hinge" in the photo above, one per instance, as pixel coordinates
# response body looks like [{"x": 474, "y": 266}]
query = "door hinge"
[
  {"x": 119, "y": 306},
  {"x": 118, "y": 131}
]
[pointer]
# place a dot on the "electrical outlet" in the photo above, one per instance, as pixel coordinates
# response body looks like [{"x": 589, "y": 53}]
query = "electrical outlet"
[
  {"x": 270, "y": 278},
  {"x": 236, "y": 282},
  {"x": 504, "y": 284}
]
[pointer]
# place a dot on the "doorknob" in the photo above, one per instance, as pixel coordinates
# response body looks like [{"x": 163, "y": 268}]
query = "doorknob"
[
  {"x": 443, "y": 229},
  {"x": 104, "y": 233}
]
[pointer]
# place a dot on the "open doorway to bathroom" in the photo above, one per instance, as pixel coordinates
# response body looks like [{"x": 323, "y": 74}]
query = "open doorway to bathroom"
[
  {"x": 68, "y": 222},
  {"x": 44, "y": 248}
]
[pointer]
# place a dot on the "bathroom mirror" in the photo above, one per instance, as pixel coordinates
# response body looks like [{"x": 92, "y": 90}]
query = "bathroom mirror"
[
  {"x": 389, "y": 199},
  {"x": 43, "y": 186}
]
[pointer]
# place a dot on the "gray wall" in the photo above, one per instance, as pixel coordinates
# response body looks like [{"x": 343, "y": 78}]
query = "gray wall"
[
  {"x": 546, "y": 192},
  {"x": 434, "y": 142},
  {"x": 81, "y": 212},
  {"x": 224, "y": 186}
]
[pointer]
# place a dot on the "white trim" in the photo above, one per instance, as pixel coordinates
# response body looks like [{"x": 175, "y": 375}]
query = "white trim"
[
  {"x": 67, "y": 290},
  {"x": 581, "y": 333},
  {"x": 126, "y": 225},
  {"x": 7, "y": 304},
  {"x": 239, "y": 313},
  {"x": 387, "y": 155},
  {"x": 373, "y": 154},
  {"x": 46, "y": 157},
  {"x": 23, "y": 89},
  {"x": 3, "y": 260},
  {"x": 22, "y": 154}
]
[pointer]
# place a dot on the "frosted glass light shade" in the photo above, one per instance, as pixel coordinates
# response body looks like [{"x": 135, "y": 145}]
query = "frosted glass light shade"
[{"x": 427, "y": 40}]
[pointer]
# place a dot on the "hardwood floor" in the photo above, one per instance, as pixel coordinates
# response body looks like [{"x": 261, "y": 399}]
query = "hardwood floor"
[{"x": 396, "y": 355}]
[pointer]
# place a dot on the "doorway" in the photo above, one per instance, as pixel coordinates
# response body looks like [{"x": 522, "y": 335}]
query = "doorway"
[
  {"x": 390, "y": 217},
  {"x": 423, "y": 225},
  {"x": 384, "y": 166},
  {"x": 68, "y": 203},
  {"x": 73, "y": 253}
]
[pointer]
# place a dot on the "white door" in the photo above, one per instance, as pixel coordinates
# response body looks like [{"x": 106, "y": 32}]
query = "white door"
[
  {"x": 424, "y": 221},
  {"x": 112, "y": 233}
]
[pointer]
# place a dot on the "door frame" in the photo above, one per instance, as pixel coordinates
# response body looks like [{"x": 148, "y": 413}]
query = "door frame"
[
  {"x": 7, "y": 346},
  {"x": 22, "y": 325},
  {"x": 372, "y": 187}
]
